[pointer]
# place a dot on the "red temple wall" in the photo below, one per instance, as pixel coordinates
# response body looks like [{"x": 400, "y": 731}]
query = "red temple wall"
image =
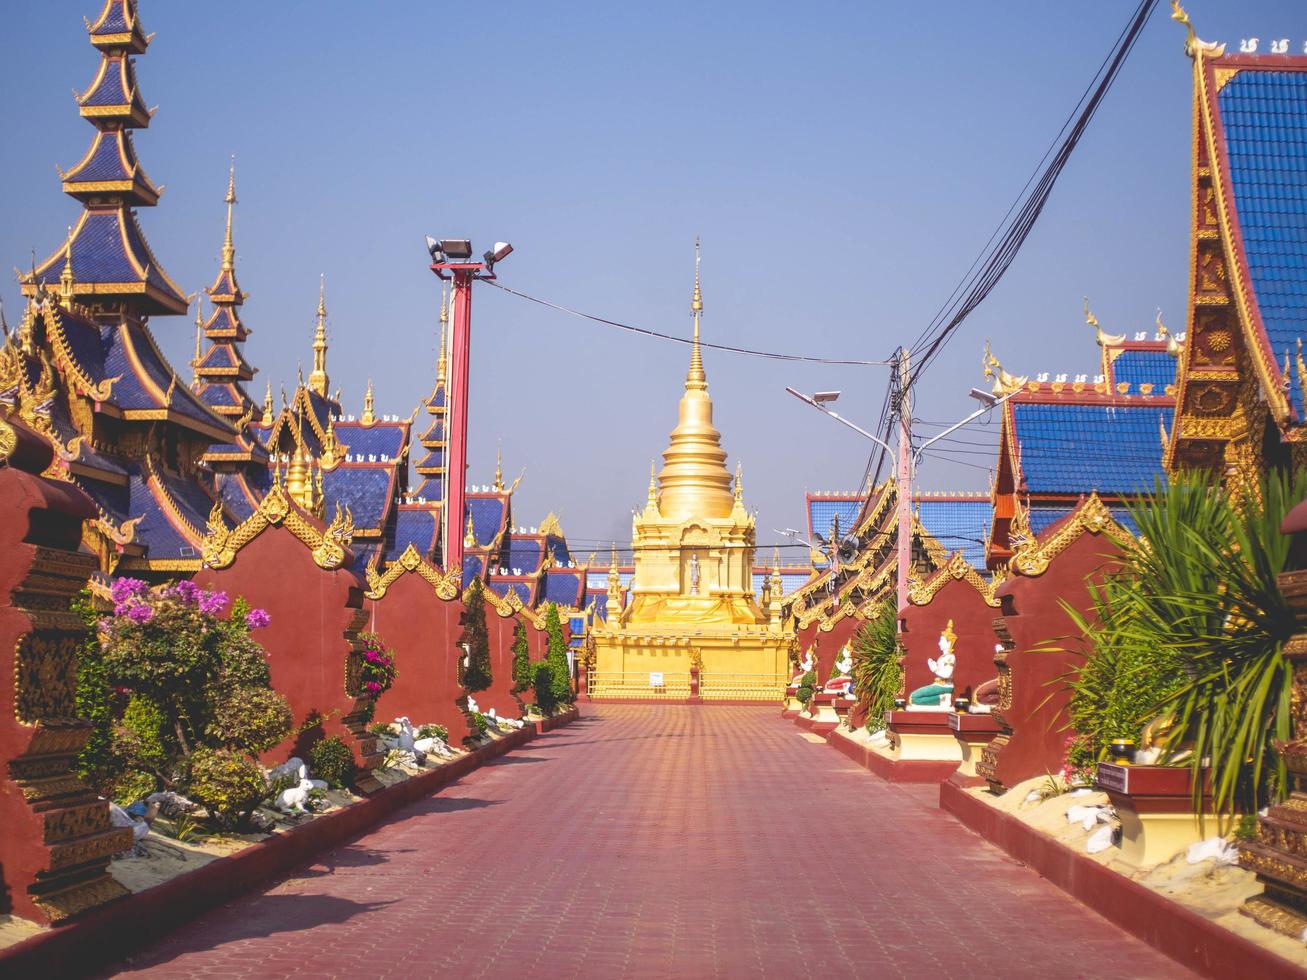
[{"x": 973, "y": 618}]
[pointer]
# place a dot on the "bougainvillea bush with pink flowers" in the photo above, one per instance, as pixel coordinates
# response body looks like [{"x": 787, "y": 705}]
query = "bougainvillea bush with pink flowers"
[
  {"x": 186, "y": 693},
  {"x": 376, "y": 670}
]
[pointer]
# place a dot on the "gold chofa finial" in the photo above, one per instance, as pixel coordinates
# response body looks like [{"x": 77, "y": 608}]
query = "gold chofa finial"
[
  {"x": 1110, "y": 340},
  {"x": 1194, "y": 45},
  {"x": 696, "y": 377},
  {"x": 228, "y": 248},
  {"x": 1004, "y": 383}
]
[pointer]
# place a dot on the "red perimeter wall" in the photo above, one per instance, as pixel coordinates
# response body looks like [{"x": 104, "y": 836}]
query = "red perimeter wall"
[{"x": 973, "y": 619}]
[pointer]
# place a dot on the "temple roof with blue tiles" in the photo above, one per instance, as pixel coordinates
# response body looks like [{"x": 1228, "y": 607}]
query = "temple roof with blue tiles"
[{"x": 1064, "y": 437}]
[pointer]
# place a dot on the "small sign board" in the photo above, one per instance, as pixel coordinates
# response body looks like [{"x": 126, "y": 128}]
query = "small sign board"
[
  {"x": 655, "y": 678},
  {"x": 955, "y": 721},
  {"x": 1113, "y": 776}
]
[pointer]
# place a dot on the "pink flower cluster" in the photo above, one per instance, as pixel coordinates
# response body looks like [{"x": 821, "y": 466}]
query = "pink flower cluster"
[
  {"x": 372, "y": 687},
  {"x": 376, "y": 657},
  {"x": 132, "y": 600},
  {"x": 257, "y": 619},
  {"x": 128, "y": 594}
]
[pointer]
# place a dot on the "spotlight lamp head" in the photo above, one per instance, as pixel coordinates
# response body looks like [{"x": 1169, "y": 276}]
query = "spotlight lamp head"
[
  {"x": 984, "y": 397},
  {"x": 433, "y": 249},
  {"x": 456, "y": 248},
  {"x": 825, "y": 397},
  {"x": 497, "y": 254}
]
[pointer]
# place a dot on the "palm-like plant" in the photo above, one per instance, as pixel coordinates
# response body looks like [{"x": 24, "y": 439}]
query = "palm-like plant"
[
  {"x": 1196, "y": 613},
  {"x": 877, "y": 674}
]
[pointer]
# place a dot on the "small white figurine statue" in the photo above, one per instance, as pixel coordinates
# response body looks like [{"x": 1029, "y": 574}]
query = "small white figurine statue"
[
  {"x": 805, "y": 665},
  {"x": 938, "y": 694},
  {"x": 841, "y": 681},
  {"x": 694, "y": 574}
]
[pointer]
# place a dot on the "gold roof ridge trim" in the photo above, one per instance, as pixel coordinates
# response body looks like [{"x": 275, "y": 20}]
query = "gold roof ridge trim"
[
  {"x": 956, "y": 569},
  {"x": 447, "y": 585},
  {"x": 1032, "y": 555},
  {"x": 221, "y": 544}
]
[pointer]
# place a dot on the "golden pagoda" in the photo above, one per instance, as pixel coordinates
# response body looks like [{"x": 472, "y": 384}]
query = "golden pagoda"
[{"x": 692, "y": 599}]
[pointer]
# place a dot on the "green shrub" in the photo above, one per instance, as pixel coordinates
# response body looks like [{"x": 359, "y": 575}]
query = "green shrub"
[
  {"x": 254, "y": 718},
  {"x": 434, "y": 731},
  {"x": 229, "y": 784},
  {"x": 133, "y": 785},
  {"x": 544, "y": 688},
  {"x": 331, "y": 759},
  {"x": 475, "y": 667},
  {"x": 380, "y": 729},
  {"x": 479, "y": 722},
  {"x": 804, "y": 691},
  {"x": 877, "y": 673},
  {"x": 96, "y": 763},
  {"x": 556, "y": 658},
  {"x": 522, "y": 672},
  {"x": 138, "y": 738}
]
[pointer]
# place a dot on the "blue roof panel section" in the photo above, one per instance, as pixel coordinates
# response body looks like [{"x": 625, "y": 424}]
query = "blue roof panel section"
[
  {"x": 503, "y": 588},
  {"x": 488, "y": 516},
  {"x": 1144, "y": 367},
  {"x": 1069, "y": 448},
  {"x": 416, "y": 527},
  {"x": 229, "y": 488},
  {"x": 365, "y": 490},
  {"x": 563, "y": 587},
  {"x": 524, "y": 553},
  {"x": 384, "y": 438},
  {"x": 1264, "y": 114},
  {"x": 105, "y": 163},
  {"x": 959, "y": 525},
  {"x": 822, "y": 511},
  {"x": 98, "y": 251}
]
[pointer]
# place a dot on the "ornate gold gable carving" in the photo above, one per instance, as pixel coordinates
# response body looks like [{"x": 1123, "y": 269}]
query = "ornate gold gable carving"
[
  {"x": 447, "y": 585},
  {"x": 221, "y": 544},
  {"x": 509, "y": 605},
  {"x": 1031, "y": 557},
  {"x": 956, "y": 568}
]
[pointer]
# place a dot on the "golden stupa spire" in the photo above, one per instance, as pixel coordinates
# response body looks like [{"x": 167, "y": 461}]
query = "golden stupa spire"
[
  {"x": 695, "y": 481},
  {"x": 318, "y": 379},
  {"x": 367, "y": 418},
  {"x": 442, "y": 363},
  {"x": 66, "y": 281},
  {"x": 696, "y": 377},
  {"x": 499, "y": 469},
  {"x": 199, "y": 337},
  {"x": 470, "y": 537},
  {"x": 228, "y": 248},
  {"x": 652, "y": 500},
  {"x": 267, "y": 405},
  {"x": 739, "y": 483}
]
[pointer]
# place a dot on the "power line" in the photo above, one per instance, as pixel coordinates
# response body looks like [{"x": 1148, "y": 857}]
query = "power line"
[
  {"x": 995, "y": 258},
  {"x": 644, "y": 331}
]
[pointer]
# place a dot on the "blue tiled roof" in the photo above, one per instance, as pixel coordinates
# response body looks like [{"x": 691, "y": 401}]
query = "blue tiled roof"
[
  {"x": 821, "y": 512},
  {"x": 473, "y": 567},
  {"x": 229, "y": 488},
  {"x": 161, "y": 539},
  {"x": 435, "y": 431},
  {"x": 524, "y": 553},
  {"x": 416, "y": 527},
  {"x": 557, "y": 546},
  {"x": 98, "y": 254},
  {"x": 1078, "y": 448},
  {"x": 959, "y": 525},
  {"x": 488, "y": 516},
  {"x": 105, "y": 162},
  {"x": 1264, "y": 114},
  {"x": 384, "y": 438},
  {"x": 1042, "y": 517},
  {"x": 1144, "y": 367},
  {"x": 113, "y": 87},
  {"x": 600, "y": 599},
  {"x": 563, "y": 587},
  {"x": 365, "y": 490},
  {"x": 430, "y": 489},
  {"x": 115, "y": 21}
]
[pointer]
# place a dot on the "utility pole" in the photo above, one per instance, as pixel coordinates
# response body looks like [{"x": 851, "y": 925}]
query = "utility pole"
[
  {"x": 902, "y": 395},
  {"x": 451, "y": 259}
]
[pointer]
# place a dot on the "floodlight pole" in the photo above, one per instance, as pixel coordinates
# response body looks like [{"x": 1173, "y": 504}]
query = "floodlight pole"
[{"x": 462, "y": 274}]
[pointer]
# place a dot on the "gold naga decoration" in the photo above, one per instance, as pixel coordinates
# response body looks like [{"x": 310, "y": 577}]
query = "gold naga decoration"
[
  {"x": 222, "y": 544},
  {"x": 447, "y": 585},
  {"x": 1102, "y": 339},
  {"x": 8, "y": 441},
  {"x": 1004, "y": 383},
  {"x": 955, "y": 569},
  {"x": 1031, "y": 557},
  {"x": 509, "y": 605},
  {"x": 550, "y": 526}
]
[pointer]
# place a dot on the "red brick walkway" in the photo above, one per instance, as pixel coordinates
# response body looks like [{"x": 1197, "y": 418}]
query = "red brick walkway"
[{"x": 649, "y": 841}]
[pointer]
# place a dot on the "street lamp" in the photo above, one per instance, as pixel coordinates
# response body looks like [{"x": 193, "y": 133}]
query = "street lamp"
[
  {"x": 450, "y": 260},
  {"x": 908, "y": 459}
]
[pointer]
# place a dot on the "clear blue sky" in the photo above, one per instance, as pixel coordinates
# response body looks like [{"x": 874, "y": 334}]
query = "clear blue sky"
[{"x": 843, "y": 163}]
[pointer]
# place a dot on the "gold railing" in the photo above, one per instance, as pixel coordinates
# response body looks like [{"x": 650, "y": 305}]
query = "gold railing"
[
  {"x": 628, "y": 684},
  {"x": 717, "y": 686}
]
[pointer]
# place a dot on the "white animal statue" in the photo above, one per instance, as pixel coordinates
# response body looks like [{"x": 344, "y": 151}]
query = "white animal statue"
[{"x": 407, "y": 736}]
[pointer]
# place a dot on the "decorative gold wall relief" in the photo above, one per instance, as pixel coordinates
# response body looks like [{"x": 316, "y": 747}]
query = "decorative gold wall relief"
[{"x": 46, "y": 676}]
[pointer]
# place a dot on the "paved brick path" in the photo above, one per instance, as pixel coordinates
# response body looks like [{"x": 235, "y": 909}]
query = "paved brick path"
[{"x": 651, "y": 840}]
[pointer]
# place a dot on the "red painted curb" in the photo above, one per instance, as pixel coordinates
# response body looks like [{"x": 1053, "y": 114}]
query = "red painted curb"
[
  {"x": 906, "y": 770},
  {"x": 1184, "y": 935},
  {"x": 113, "y": 931},
  {"x": 753, "y": 702}
]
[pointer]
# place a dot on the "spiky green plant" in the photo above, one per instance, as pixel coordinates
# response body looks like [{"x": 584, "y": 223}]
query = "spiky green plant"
[
  {"x": 877, "y": 673},
  {"x": 1197, "y": 604}
]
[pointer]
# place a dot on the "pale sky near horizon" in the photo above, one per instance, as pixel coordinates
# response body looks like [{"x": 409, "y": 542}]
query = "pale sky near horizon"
[{"x": 842, "y": 167}]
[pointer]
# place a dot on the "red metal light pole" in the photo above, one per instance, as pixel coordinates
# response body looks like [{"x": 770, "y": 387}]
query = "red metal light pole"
[{"x": 451, "y": 261}]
